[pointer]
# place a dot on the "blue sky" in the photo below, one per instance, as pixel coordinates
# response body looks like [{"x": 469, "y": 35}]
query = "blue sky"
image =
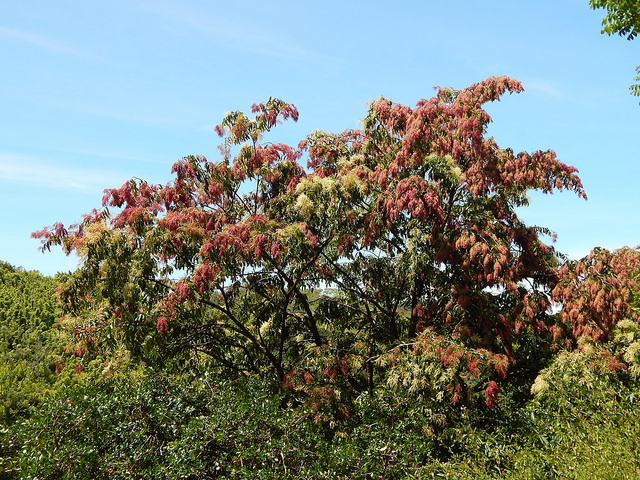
[{"x": 94, "y": 93}]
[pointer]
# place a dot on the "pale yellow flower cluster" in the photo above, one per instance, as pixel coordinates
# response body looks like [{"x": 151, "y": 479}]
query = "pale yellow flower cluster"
[
  {"x": 630, "y": 335},
  {"x": 315, "y": 187},
  {"x": 304, "y": 205},
  {"x": 92, "y": 233}
]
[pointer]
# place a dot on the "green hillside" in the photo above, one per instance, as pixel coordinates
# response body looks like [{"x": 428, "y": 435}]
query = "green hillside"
[{"x": 29, "y": 346}]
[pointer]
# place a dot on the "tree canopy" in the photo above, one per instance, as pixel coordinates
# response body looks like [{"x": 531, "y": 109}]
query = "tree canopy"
[{"x": 396, "y": 256}]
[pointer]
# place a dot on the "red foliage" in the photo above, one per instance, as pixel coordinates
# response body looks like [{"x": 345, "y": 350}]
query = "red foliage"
[
  {"x": 596, "y": 292},
  {"x": 162, "y": 326},
  {"x": 308, "y": 378},
  {"x": 491, "y": 394}
]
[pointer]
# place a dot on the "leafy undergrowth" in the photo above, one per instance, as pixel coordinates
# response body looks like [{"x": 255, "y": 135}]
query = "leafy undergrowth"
[
  {"x": 577, "y": 418},
  {"x": 583, "y": 422}
]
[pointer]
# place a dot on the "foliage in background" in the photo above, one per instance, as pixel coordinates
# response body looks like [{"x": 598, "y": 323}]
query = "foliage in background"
[
  {"x": 29, "y": 348},
  {"x": 37, "y": 358},
  {"x": 622, "y": 18},
  {"x": 582, "y": 423}
]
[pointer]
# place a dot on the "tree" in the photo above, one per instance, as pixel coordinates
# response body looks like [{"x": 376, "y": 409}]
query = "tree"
[
  {"x": 622, "y": 18},
  {"x": 398, "y": 245}
]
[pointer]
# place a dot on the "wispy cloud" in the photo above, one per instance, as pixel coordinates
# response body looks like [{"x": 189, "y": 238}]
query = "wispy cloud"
[
  {"x": 115, "y": 154},
  {"x": 237, "y": 35},
  {"x": 544, "y": 87},
  {"x": 37, "y": 40},
  {"x": 45, "y": 42},
  {"x": 35, "y": 172}
]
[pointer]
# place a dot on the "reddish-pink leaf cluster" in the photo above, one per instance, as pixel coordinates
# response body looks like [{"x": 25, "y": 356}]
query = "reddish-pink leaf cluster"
[{"x": 596, "y": 292}]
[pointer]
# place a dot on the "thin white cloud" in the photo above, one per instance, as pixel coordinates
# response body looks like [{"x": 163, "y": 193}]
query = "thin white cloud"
[
  {"x": 116, "y": 155},
  {"x": 31, "y": 171},
  {"x": 36, "y": 40},
  {"x": 543, "y": 87},
  {"x": 235, "y": 34},
  {"x": 50, "y": 44}
]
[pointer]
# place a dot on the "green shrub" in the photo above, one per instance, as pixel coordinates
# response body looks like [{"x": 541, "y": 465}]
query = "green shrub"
[
  {"x": 118, "y": 428},
  {"x": 585, "y": 419}
]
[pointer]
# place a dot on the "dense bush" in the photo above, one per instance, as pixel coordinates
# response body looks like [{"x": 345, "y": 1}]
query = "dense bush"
[
  {"x": 582, "y": 421},
  {"x": 117, "y": 428},
  {"x": 29, "y": 347},
  {"x": 150, "y": 426}
]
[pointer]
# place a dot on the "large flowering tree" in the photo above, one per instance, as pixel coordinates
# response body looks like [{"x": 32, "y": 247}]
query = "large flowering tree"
[{"x": 395, "y": 257}]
